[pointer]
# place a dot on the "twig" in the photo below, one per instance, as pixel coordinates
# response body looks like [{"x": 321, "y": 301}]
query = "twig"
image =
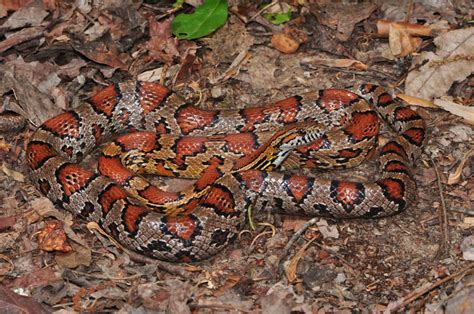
[
  {"x": 415, "y": 294},
  {"x": 339, "y": 256},
  {"x": 217, "y": 306},
  {"x": 22, "y": 36},
  {"x": 442, "y": 212},
  {"x": 263, "y": 10},
  {"x": 370, "y": 72},
  {"x": 170, "y": 268},
  {"x": 463, "y": 211},
  {"x": 293, "y": 239}
]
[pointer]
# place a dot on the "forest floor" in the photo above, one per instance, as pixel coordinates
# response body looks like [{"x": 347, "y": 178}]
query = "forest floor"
[{"x": 53, "y": 56}]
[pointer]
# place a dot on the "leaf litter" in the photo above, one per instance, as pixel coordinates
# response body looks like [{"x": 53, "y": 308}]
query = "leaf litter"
[{"x": 55, "y": 54}]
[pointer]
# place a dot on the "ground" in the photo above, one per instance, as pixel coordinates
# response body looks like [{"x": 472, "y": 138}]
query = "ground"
[{"x": 419, "y": 260}]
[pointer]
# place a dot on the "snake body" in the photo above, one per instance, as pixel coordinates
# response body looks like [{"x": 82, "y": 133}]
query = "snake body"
[{"x": 184, "y": 140}]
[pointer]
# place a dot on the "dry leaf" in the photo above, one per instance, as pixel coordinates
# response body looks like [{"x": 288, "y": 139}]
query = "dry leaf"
[
  {"x": 453, "y": 61},
  {"x": 17, "y": 176},
  {"x": 383, "y": 28},
  {"x": 103, "y": 51},
  {"x": 326, "y": 230},
  {"x": 465, "y": 112},
  {"x": 455, "y": 176},
  {"x": 52, "y": 238},
  {"x": 151, "y": 75},
  {"x": 288, "y": 40},
  {"x": 290, "y": 266},
  {"x": 415, "y": 101},
  {"x": 7, "y": 222},
  {"x": 162, "y": 46},
  {"x": 342, "y": 16},
  {"x": 230, "y": 281},
  {"x": 31, "y": 15},
  {"x": 79, "y": 256},
  {"x": 336, "y": 63},
  {"x": 401, "y": 43}
]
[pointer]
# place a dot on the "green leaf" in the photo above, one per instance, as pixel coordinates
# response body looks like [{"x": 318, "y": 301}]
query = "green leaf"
[
  {"x": 208, "y": 17},
  {"x": 278, "y": 18},
  {"x": 178, "y": 4}
]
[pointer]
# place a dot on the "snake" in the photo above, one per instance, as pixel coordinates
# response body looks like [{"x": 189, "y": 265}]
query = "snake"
[{"x": 241, "y": 158}]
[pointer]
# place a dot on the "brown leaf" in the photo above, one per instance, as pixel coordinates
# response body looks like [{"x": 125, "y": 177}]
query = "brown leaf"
[
  {"x": 454, "y": 177},
  {"x": 102, "y": 51},
  {"x": 453, "y": 61},
  {"x": 342, "y": 16},
  {"x": 291, "y": 265},
  {"x": 231, "y": 280},
  {"x": 30, "y": 15},
  {"x": 10, "y": 302},
  {"x": 465, "y": 112},
  {"x": 289, "y": 39},
  {"x": 336, "y": 63},
  {"x": 22, "y": 36},
  {"x": 293, "y": 223},
  {"x": 52, "y": 238},
  {"x": 401, "y": 42},
  {"x": 383, "y": 28},
  {"x": 162, "y": 45},
  {"x": 7, "y": 222},
  {"x": 32, "y": 104},
  {"x": 36, "y": 278},
  {"x": 14, "y": 5},
  {"x": 17, "y": 176},
  {"x": 79, "y": 256}
]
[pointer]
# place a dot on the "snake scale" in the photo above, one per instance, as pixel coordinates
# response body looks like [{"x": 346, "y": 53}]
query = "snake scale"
[{"x": 226, "y": 150}]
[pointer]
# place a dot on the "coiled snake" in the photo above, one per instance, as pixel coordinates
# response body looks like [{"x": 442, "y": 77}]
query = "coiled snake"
[{"x": 230, "y": 151}]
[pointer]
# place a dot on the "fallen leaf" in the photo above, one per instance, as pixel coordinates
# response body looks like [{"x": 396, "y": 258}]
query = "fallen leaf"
[
  {"x": 17, "y": 176},
  {"x": 465, "y": 112},
  {"x": 10, "y": 302},
  {"x": 52, "y": 238},
  {"x": 336, "y": 63},
  {"x": 162, "y": 46},
  {"x": 467, "y": 248},
  {"x": 293, "y": 223},
  {"x": 455, "y": 176},
  {"x": 288, "y": 40},
  {"x": 10, "y": 121},
  {"x": 208, "y": 17},
  {"x": 326, "y": 230},
  {"x": 290, "y": 266},
  {"x": 22, "y": 36},
  {"x": 35, "y": 278},
  {"x": 80, "y": 255},
  {"x": 30, "y": 15},
  {"x": 102, "y": 50},
  {"x": 7, "y": 222},
  {"x": 25, "y": 82},
  {"x": 415, "y": 101},
  {"x": 13, "y": 5},
  {"x": 342, "y": 16},
  {"x": 230, "y": 281},
  {"x": 383, "y": 28},
  {"x": 452, "y": 62},
  {"x": 401, "y": 43}
]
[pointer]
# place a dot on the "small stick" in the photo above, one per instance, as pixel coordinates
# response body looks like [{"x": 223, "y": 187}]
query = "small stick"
[
  {"x": 293, "y": 239},
  {"x": 418, "y": 292},
  {"x": 442, "y": 212}
]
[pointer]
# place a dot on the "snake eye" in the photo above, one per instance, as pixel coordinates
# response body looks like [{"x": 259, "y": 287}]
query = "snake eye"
[{"x": 302, "y": 132}]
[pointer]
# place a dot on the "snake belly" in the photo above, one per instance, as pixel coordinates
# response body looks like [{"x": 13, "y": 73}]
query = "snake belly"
[{"x": 211, "y": 220}]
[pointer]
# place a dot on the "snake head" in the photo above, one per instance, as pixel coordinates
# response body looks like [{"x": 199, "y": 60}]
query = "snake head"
[
  {"x": 296, "y": 135},
  {"x": 279, "y": 146}
]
